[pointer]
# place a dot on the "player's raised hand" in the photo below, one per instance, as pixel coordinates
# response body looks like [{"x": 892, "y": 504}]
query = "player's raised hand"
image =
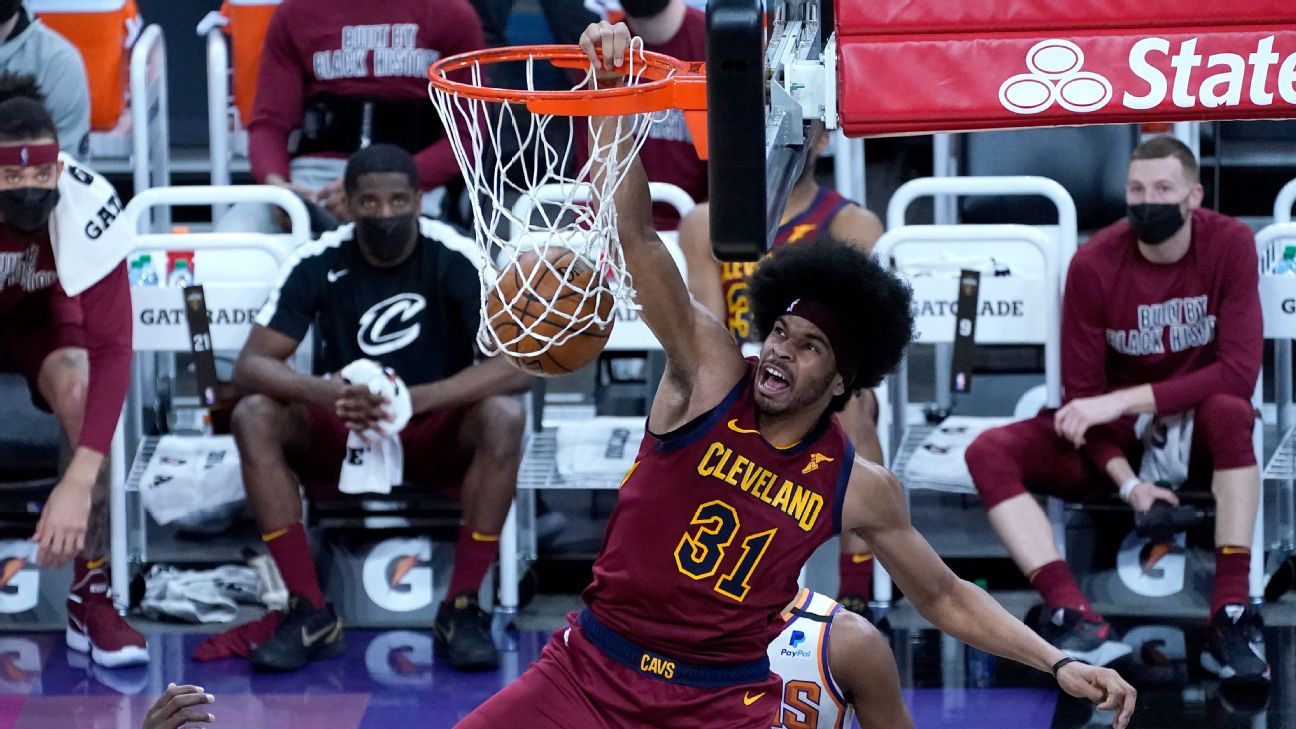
[
  {"x": 1103, "y": 686},
  {"x": 606, "y": 45},
  {"x": 178, "y": 707}
]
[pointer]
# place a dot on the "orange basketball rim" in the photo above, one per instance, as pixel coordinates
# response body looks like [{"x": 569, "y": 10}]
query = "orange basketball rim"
[{"x": 665, "y": 83}]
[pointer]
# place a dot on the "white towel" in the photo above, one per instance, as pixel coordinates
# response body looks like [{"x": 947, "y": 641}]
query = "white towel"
[
  {"x": 604, "y": 446},
  {"x": 189, "y": 474},
  {"x": 376, "y": 466},
  {"x": 1167, "y": 447},
  {"x": 86, "y": 228},
  {"x": 209, "y": 596},
  {"x": 939, "y": 462}
]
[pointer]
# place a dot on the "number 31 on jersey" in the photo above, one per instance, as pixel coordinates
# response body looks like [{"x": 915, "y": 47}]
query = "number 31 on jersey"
[{"x": 700, "y": 553}]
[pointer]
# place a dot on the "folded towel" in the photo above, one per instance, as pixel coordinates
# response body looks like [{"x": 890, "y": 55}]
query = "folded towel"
[
  {"x": 939, "y": 461},
  {"x": 375, "y": 466},
  {"x": 86, "y": 230},
  {"x": 604, "y": 446},
  {"x": 1167, "y": 447}
]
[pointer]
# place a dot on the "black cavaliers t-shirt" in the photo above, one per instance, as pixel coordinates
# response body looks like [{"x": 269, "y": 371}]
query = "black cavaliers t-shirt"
[{"x": 419, "y": 318}]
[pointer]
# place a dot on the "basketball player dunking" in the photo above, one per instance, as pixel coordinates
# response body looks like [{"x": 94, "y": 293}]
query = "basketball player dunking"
[{"x": 742, "y": 474}]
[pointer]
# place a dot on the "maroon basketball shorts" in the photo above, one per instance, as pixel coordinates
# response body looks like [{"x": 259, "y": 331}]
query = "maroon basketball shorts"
[
  {"x": 29, "y": 333},
  {"x": 433, "y": 457},
  {"x": 1029, "y": 455},
  {"x": 591, "y": 678}
]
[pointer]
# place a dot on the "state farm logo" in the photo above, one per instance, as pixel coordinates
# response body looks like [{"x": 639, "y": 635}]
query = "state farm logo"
[
  {"x": 1054, "y": 77},
  {"x": 397, "y": 575},
  {"x": 1208, "y": 72}
]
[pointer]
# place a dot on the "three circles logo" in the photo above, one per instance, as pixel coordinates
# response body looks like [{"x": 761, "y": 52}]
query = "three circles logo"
[{"x": 1054, "y": 77}]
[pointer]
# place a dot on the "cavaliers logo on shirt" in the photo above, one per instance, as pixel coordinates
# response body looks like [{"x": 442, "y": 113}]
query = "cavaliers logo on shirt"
[{"x": 386, "y": 326}]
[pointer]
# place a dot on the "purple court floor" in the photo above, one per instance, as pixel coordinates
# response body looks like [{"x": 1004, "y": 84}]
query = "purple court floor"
[{"x": 392, "y": 679}]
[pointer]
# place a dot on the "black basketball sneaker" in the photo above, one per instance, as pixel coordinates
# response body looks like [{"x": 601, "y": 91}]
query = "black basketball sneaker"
[{"x": 305, "y": 634}]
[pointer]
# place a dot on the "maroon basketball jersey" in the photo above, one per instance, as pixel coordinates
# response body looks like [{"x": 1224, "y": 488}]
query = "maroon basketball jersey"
[
  {"x": 711, "y": 529},
  {"x": 808, "y": 225},
  {"x": 26, "y": 266}
]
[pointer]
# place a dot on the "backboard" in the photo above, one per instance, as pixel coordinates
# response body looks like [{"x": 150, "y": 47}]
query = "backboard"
[{"x": 767, "y": 94}]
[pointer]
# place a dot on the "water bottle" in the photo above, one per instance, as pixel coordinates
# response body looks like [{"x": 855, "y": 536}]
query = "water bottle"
[
  {"x": 148, "y": 275},
  {"x": 181, "y": 275},
  {"x": 1287, "y": 266},
  {"x": 133, "y": 273},
  {"x": 980, "y": 665}
]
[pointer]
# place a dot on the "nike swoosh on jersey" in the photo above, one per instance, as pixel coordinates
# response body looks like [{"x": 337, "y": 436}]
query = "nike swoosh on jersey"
[
  {"x": 748, "y": 699},
  {"x": 333, "y": 276},
  {"x": 733, "y": 425}
]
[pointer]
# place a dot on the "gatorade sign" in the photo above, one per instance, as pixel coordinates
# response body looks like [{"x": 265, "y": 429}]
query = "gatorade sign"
[
  {"x": 19, "y": 578},
  {"x": 397, "y": 574}
]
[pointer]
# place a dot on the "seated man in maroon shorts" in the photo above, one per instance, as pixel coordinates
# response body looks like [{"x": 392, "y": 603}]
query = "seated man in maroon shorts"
[
  {"x": 402, "y": 292},
  {"x": 66, "y": 327},
  {"x": 1161, "y": 315}
]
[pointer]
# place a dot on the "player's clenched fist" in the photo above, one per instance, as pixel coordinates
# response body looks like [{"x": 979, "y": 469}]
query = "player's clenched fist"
[{"x": 179, "y": 706}]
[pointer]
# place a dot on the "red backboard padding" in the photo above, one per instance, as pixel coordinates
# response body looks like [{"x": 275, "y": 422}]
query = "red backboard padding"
[
  {"x": 900, "y": 84},
  {"x": 870, "y": 17}
]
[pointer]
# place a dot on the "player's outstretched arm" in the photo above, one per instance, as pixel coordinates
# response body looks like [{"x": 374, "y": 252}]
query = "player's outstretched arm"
[
  {"x": 703, "y": 269},
  {"x": 875, "y": 509},
  {"x": 702, "y": 362}
]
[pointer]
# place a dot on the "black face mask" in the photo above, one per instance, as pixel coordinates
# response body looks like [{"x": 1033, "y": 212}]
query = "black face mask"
[
  {"x": 28, "y": 208},
  {"x": 386, "y": 239},
  {"x": 1154, "y": 223},
  {"x": 643, "y": 8}
]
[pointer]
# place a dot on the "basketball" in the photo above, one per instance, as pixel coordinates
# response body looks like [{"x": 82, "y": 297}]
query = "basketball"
[{"x": 547, "y": 299}]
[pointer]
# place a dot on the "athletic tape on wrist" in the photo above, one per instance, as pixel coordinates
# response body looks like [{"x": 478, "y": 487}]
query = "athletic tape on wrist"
[{"x": 1128, "y": 487}]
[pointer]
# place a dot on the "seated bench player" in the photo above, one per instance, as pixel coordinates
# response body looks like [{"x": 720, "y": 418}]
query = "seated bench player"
[
  {"x": 65, "y": 325},
  {"x": 1161, "y": 315},
  {"x": 813, "y": 212},
  {"x": 402, "y": 292},
  {"x": 338, "y": 75}
]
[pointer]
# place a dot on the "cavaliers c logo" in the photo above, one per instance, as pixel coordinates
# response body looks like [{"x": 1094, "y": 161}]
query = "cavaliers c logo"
[{"x": 386, "y": 327}]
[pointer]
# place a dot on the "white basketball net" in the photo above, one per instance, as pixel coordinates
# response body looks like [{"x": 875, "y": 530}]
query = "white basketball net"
[{"x": 525, "y": 200}]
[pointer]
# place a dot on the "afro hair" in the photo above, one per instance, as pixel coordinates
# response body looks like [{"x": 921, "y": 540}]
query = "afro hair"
[
  {"x": 23, "y": 116},
  {"x": 874, "y": 305}
]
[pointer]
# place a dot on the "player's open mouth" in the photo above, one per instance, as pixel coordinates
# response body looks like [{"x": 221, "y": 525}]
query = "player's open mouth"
[{"x": 772, "y": 380}]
